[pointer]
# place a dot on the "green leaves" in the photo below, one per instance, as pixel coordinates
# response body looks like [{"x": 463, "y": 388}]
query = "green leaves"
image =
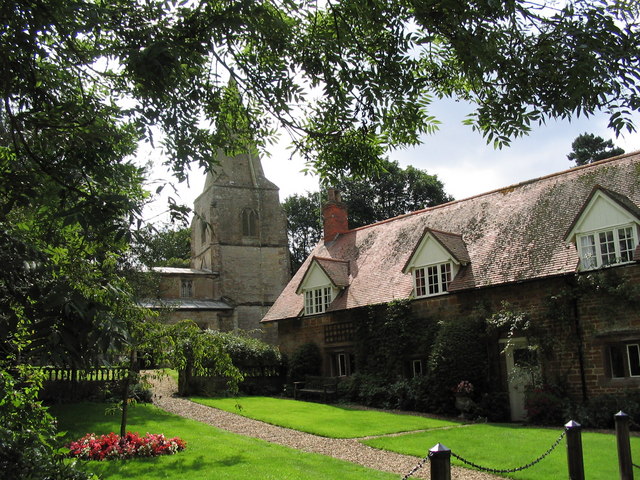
[
  {"x": 84, "y": 81},
  {"x": 588, "y": 148}
]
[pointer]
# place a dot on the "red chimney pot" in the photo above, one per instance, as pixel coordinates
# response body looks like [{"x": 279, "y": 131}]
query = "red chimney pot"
[{"x": 334, "y": 216}]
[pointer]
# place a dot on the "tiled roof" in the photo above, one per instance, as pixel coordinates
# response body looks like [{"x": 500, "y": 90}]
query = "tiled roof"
[
  {"x": 182, "y": 271},
  {"x": 511, "y": 234},
  {"x": 184, "y": 304},
  {"x": 336, "y": 270},
  {"x": 454, "y": 243}
]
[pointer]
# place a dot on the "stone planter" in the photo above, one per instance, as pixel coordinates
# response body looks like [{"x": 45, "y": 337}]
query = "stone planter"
[{"x": 463, "y": 403}]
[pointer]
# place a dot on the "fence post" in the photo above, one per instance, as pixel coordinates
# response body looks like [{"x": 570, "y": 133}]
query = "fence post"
[
  {"x": 574, "y": 450},
  {"x": 440, "y": 459},
  {"x": 625, "y": 464}
]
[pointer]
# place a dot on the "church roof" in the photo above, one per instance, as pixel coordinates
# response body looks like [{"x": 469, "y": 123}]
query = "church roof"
[
  {"x": 182, "y": 271},
  {"x": 184, "y": 304},
  {"x": 508, "y": 235}
]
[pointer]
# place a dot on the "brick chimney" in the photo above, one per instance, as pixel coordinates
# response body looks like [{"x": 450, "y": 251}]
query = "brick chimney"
[{"x": 334, "y": 216}]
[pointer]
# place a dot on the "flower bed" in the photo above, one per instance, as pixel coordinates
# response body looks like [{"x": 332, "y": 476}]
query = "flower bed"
[{"x": 112, "y": 446}]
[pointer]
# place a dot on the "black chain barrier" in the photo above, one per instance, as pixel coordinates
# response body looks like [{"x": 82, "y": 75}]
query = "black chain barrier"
[
  {"x": 493, "y": 470},
  {"x": 517, "y": 469},
  {"x": 418, "y": 466}
]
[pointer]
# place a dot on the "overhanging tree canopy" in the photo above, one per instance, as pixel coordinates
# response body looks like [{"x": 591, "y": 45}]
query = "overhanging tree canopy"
[
  {"x": 372, "y": 68},
  {"x": 83, "y": 81}
]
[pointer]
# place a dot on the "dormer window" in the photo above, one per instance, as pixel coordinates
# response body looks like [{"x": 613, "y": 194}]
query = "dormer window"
[
  {"x": 435, "y": 262},
  {"x": 317, "y": 300},
  {"x": 606, "y": 247},
  {"x": 324, "y": 279},
  {"x": 605, "y": 231},
  {"x": 432, "y": 279}
]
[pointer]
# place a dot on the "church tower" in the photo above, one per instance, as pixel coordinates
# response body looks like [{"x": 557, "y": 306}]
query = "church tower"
[{"x": 239, "y": 233}]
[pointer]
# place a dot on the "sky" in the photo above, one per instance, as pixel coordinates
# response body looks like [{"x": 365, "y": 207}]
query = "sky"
[{"x": 459, "y": 157}]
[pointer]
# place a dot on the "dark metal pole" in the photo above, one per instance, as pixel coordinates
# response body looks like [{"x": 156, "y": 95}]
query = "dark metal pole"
[
  {"x": 625, "y": 464},
  {"x": 440, "y": 459},
  {"x": 574, "y": 450}
]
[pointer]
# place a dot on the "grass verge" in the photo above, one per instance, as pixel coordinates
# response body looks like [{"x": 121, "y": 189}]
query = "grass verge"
[
  {"x": 210, "y": 454},
  {"x": 320, "y": 419},
  {"x": 508, "y": 446}
]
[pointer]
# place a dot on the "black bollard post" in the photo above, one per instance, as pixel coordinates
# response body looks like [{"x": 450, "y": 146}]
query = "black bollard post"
[
  {"x": 625, "y": 465},
  {"x": 574, "y": 450},
  {"x": 440, "y": 459}
]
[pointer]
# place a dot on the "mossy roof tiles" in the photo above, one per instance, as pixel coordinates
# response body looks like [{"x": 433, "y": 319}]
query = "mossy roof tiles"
[{"x": 512, "y": 234}]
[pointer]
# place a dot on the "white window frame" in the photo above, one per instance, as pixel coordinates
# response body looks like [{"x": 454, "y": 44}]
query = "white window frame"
[
  {"x": 631, "y": 368},
  {"x": 603, "y": 248},
  {"x": 342, "y": 364},
  {"x": 186, "y": 288},
  {"x": 317, "y": 300},
  {"x": 431, "y": 280}
]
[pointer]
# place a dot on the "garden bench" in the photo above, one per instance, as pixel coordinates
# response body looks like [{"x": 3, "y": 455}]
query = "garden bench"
[{"x": 324, "y": 387}]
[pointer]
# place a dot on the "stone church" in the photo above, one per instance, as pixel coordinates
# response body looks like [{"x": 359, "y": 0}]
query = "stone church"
[{"x": 239, "y": 253}]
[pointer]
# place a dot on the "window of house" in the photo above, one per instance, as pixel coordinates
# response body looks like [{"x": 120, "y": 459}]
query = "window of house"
[
  {"x": 606, "y": 247},
  {"x": 186, "y": 288},
  {"x": 432, "y": 279},
  {"x": 317, "y": 300},
  {"x": 624, "y": 360},
  {"x": 249, "y": 223},
  {"x": 416, "y": 368},
  {"x": 343, "y": 364}
]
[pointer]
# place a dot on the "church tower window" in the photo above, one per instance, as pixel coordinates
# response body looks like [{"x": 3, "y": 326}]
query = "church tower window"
[{"x": 249, "y": 223}]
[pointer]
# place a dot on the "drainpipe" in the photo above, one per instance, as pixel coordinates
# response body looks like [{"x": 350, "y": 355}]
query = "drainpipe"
[{"x": 579, "y": 334}]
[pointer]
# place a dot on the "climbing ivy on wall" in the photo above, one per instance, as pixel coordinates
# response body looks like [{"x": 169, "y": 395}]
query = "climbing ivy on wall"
[
  {"x": 386, "y": 335},
  {"x": 459, "y": 353}
]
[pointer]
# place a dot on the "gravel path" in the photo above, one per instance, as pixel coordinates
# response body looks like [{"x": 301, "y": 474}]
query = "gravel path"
[{"x": 350, "y": 450}]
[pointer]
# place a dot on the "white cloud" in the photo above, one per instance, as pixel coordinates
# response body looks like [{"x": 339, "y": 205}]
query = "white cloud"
[{"x": 457, "y": 155}]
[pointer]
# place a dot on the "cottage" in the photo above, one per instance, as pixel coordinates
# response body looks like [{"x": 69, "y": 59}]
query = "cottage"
[{"x": 560, "y": 251}]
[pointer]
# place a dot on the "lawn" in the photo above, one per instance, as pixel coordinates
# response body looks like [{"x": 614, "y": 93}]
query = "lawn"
[
  {"x": 210, "y": 454},
  {"x": 320, "y": 419},
  {"x": 507, "y": 446}
]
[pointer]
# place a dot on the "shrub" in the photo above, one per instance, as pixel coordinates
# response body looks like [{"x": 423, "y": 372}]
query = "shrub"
[
  {"x": 246, "y": 351},
  {"x": 373, "y": 391},
  {"x": 227, "y": 361},
  {"x": 459, "y": 353},
  {"x": 28, "y": 447},
  {"x": 112, "y": 446},
  {"x": 544, "y": 405},
  {"x": 306, "y": 360},
  {"x": 419, "y": 394},
  {"x": 599, "y": 411},
  {"x": 493, "y": 406}
]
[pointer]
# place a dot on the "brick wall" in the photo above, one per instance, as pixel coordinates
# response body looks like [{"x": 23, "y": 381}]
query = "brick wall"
[{"x": 573, "y": 327}]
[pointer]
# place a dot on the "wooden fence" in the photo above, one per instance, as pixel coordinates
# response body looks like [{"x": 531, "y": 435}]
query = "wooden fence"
[{"x": 72, "y": 385}]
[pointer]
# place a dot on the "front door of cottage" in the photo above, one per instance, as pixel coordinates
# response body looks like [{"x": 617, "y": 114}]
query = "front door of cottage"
[{"x": 518, "y": 359}]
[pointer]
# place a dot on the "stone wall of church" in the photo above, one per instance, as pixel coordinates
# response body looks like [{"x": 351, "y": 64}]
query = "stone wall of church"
[
  {"x": 205, "y": 319},
  {"x": 203, "y": 287}
]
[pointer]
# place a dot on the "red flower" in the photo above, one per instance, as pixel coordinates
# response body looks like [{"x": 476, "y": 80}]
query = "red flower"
[{"x": 91, "y": 447}]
